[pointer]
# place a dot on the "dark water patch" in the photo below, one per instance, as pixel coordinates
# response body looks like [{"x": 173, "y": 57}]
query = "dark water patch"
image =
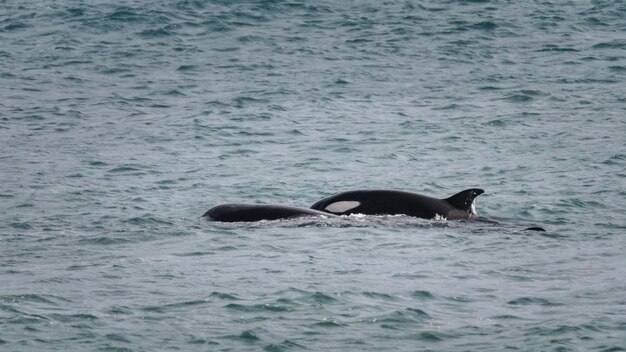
[
  {"x": 116, "y": 71},
  {"x": 175, "y": 93},
  {"x": 21, "y": 225},
  {"x": 329, "y": 324},
  {"x": 177, "y": 305},
  {"x": 247, "y": 336},
  {"x": 553, "y": 47},
  {"x": 484, "y": 26},
  {"x": 422, "y": 294},
  {"x": 595, "y": 21},
  {"x": 227, "y": 49},
  {"x": 556, "y": 331},
  {"x": 7, "y": 75},
  {"x": 524, "y": 301},
  {"x": 586, "y": 80},
  {"x": 616, "y": 159},
  {"x": 463, "y": 42},
  {"x": 159, "y": 32},
  {"x": 525, "y": 95},
  {"x": 256, "y": 308},
  {"x": 194, "y": 340},
  {"x": 132, "y": 169},
  {"x": 83, "y": 266},
  {"x": 72, "y": 318},
  {"x": 614, "y": 44},
  {"x": 496, "y": 123},
  {"x": 617, "y": 69},
  {"x": 604, "y": 348},
  {"x": 195, "y": 254},
  {"x": 188, "y": 68},
  {"x": 223, "y": 296},
  {"x": 401, "y": 317},
  {"x": 244, "y": 101},
  {"x": 547, "y": 233},
  {"x": 15, "y": 26},
  {"x": 447, "y": 107},
  {"x": 120, "y": 310},
  {"x": 506, "y": 317},
  {"x": 25, "y": 320},
  {"x": 381, "y": 296},
  {"x": 284, "y": 346},
  {"x": 126, "y": 14},
  {"x": 104, "y": 240},
  {"x": 31, "y": 298},
  {"x": 519, "y": 98},
  {"x": 430, "y": 336},
  {"x": 117, "y": 338},
  {"x": 152, "y": 309}
]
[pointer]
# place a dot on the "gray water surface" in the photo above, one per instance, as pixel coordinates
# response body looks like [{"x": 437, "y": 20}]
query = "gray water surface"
[{"x": 121, "y": 124}]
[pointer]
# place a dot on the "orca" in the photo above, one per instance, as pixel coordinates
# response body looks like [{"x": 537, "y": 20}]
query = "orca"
[
  {"x": 390, "y": 202},
  {"x": 236, "y": 212}
]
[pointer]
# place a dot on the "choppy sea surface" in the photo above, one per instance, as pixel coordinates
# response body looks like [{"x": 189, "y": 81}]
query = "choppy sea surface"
[{"x": 122, "y": 123}]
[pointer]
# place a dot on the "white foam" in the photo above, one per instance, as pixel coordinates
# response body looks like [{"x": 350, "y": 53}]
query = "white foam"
[{"x": 440, "y": 218}]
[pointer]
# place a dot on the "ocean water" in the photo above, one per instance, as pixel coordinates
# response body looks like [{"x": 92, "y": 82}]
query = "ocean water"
[{"x": 121, "y": 124}]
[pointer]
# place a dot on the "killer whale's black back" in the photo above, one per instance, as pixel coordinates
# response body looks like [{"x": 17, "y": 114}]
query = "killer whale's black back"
[{"x": 390, "y": 202}]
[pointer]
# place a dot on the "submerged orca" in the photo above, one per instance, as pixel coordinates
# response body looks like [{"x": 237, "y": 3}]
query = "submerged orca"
[
  {"x": 257, "y": 212},
  {"x": 384, "y": 202}
]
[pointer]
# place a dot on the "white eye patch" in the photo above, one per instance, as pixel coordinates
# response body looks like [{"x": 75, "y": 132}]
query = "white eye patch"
[{"x": 341, "y": 207}]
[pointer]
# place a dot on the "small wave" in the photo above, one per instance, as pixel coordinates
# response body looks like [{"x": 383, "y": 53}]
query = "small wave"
[
  {"x": 506, "y": 317},
  {"x": 21, "y": 225},
  {"x": 159, "y": 32},
  {"x": 407, "y": 316},
  {"x": 524, "y": 301},
  {"x": 616, "y": 159},
  {"x": 329, "y": 323},
  {"x": 377, "y": 295},
  {"x": 223, "y": 296},
  {"x": 15, "y": 26},
  {"x": 614, "y": 44},
  {"x": 422, "y": 294},
  {"x": 431, "y": 336},
  {"x": 267, "y": 307},
  {"x": 123, "y": 169},
  {"x": 104, "y": 240},
  {"x": 247, "y": 336},
  {"x": 484, "y": 25},
  {"x": 320, "y": 297},
  {"x": 524, "y": 95},
  {"x": 47, "y": 299},
  {"x": 188, "y": 68},
  {"x": 194, "y": 254},
  {"x": 552, "y": 47},
  {"x": 72, "y": 318},
  {"x": 285, "y": 345}
]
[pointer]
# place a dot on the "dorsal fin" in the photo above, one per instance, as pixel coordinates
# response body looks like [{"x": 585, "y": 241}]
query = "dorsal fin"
[{"x": 464, "y": 199}]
